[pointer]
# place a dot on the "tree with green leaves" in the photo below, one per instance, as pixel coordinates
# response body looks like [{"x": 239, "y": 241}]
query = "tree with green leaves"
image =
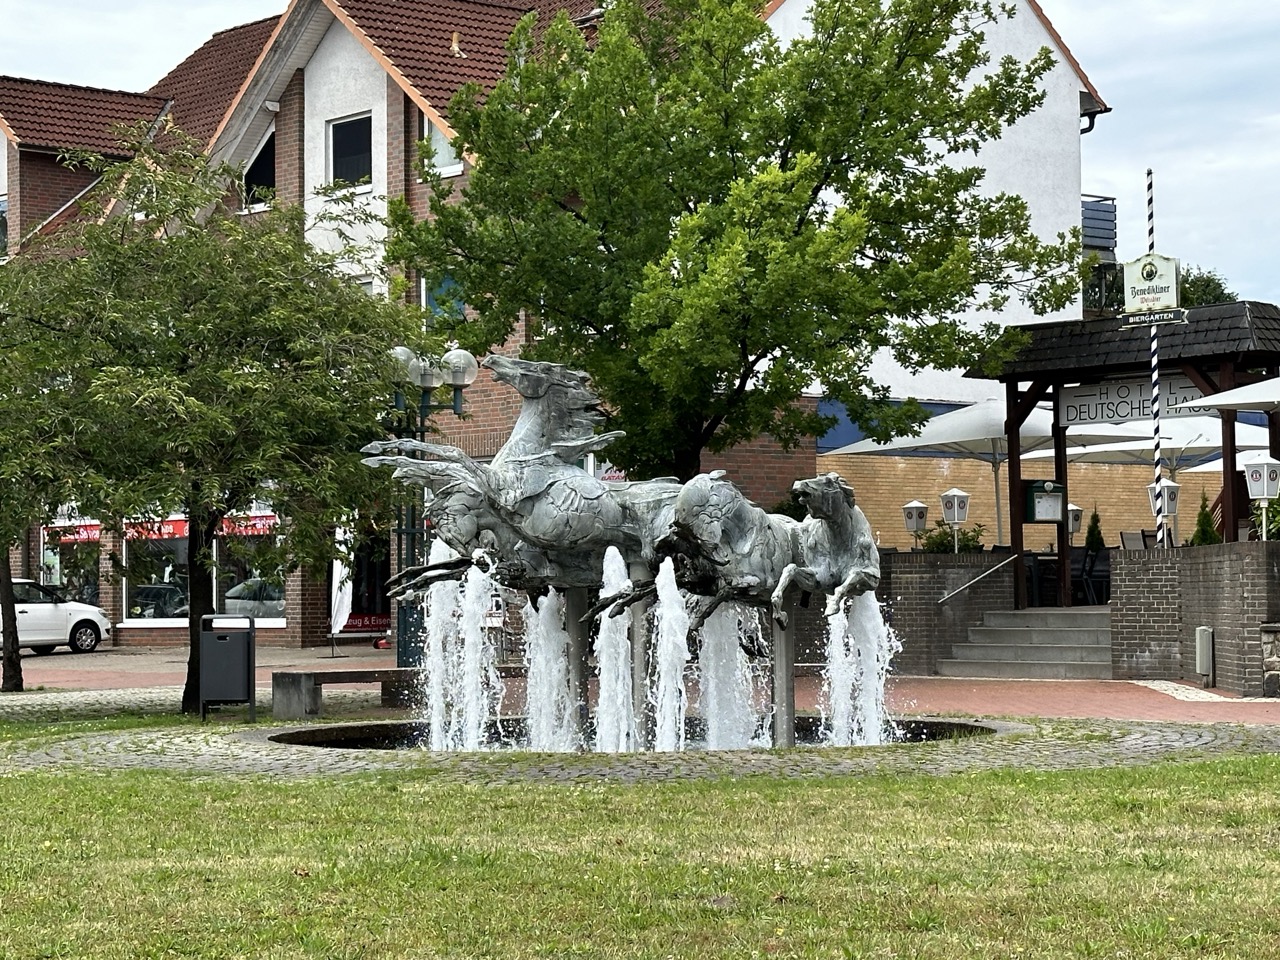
[
  {"x": 1200, "y": 287},
  {"x": 37, "y": 462},
  {"x": 217, "y": 360},
  {"x": 708, "y": 222}
]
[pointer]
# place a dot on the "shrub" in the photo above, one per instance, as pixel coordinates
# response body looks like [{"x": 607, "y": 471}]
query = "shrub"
[
  {"x": 1093, "y": 542},
  {"x": 1205, "y": 531},
  {"x": 941, "y": 540}
]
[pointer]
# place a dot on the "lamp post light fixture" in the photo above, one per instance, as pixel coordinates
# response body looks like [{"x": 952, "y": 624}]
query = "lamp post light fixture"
[
  {"x": 1169, "y": 491},
  {"x": 915, "y": 515},
  {"x": 955, "y": 511},
  {"x": 1075, "y": 516},
  {"x": 1263, "y": 478},
  {"x": 457, "y": 369}
]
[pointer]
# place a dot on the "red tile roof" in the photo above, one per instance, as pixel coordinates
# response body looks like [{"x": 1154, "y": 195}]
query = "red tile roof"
[
  {"x": 416, "y": 38},
  {"x": 203, "y": 85},
  {"x": 61, "y": 116}
]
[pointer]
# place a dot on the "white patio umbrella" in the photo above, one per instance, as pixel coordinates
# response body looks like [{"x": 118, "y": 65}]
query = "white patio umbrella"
[
  {"x": 1264, "y": 395},
  {"x": 977, "y": 433},
  {"x": 1243, "y": 459},
  {"x": 1184, "y": 442}
]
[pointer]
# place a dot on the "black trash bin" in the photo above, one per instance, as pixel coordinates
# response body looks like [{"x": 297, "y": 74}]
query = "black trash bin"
[{"x": 227, "y": 662}]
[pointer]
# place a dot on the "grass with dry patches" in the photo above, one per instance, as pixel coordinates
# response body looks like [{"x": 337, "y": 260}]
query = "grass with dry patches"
[{"x": 1173, "y": 860}]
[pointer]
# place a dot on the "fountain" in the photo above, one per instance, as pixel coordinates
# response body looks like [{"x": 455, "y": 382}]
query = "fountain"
[{"x": 680, "y": 571}]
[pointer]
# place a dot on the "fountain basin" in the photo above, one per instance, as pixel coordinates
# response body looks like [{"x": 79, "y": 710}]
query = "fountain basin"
[{"x": 509, "y": 734}]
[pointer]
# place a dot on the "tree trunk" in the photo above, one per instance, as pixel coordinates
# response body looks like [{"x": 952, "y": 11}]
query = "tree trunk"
[
  {"x": 11, "y": 681},
  {"x": 200, "y": 571},
  {"x": 686, "y": 462}
]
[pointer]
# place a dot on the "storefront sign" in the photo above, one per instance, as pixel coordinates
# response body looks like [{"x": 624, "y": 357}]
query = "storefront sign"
[
  {"x": 75, "y": 533},
  {"x": 176, "y": 529},
  {"x": 367, "y": 623},
  {"x": 1118, "y": 401}
]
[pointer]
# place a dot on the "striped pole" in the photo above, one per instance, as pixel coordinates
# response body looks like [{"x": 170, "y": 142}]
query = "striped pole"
[{"x": 1161, "y": 538}]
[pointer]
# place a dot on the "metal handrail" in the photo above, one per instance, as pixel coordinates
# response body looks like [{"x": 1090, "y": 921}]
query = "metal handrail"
[{"x": 984, "y": 573}]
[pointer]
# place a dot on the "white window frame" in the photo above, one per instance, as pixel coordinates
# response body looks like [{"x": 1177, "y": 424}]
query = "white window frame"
[
  {"x": 428, "y": 130},
  {"x": 328, "y": 149}
]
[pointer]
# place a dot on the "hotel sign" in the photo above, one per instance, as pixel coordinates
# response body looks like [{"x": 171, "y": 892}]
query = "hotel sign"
[{"x": 1118, "y": 401}]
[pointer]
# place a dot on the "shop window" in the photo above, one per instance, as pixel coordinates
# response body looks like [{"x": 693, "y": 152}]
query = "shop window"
[
  {"x": 445, "y": 158},
  {"x": 69, "y": 561},
  {"x": 351, "y": 150},
  {"x": 245, "y": 587},
  {"x": 249, "y": 581},
  {"x": 157, "y": 571}
]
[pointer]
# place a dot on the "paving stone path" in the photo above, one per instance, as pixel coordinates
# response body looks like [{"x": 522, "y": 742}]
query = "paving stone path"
[{"x": 229, "y": 747}]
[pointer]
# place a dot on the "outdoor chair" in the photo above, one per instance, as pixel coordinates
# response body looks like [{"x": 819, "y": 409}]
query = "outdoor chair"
[{"x": 1149, "y": 539}]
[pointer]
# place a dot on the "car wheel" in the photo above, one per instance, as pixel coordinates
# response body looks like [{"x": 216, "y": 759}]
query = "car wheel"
[
  {"x": 84, "y": 637},
  {"x": 44, "y": 649}
]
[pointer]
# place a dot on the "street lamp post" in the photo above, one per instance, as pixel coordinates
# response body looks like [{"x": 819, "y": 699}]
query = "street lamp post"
[{"x": 457, "y": 369}]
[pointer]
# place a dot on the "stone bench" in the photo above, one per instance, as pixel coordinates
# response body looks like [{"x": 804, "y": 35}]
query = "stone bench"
[{"x": 295, "y": 695}]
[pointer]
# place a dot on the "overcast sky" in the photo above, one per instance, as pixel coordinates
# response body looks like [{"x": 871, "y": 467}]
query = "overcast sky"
[{"x": 1193, "y": 87}]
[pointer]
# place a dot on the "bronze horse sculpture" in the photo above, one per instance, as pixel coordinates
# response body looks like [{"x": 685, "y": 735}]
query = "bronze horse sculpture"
[{"x": 549, "y": 522}]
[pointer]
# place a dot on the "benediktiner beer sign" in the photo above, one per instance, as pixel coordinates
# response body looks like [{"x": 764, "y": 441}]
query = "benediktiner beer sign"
[{"x": 1150, "y": 287}]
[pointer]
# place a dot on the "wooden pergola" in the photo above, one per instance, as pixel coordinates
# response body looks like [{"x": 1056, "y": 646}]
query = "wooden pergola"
[{"x": 1217, "y": 347}]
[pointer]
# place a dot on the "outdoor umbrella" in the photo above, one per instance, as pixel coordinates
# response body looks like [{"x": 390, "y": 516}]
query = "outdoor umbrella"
[
  {"x": 977, "y": 433},
  {"x": 1264, "y": 395},
  {"x": 1243, "y": 459},
  {"x": 1184, "y": 442}
]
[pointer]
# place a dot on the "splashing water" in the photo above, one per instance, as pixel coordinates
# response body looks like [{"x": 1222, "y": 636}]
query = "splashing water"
[
  {"x": 671, "y": 653},
  {"x": 550, "y": 711},
  {"x": 860, "y": 647},
  {"x": 616, "y": 728},
  {"x": 460, "y": 683},
  {"x": 726, "y": 685},
  {"x": 480, "y": 687}
]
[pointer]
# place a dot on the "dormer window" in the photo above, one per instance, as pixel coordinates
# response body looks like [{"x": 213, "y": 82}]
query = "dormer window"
[
  {"x": 351, "y": 150},
  {"x": 445, "y": 160}
]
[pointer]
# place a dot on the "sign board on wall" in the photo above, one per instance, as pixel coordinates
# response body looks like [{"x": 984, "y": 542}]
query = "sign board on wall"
[{"x": 1117, "y": 401}]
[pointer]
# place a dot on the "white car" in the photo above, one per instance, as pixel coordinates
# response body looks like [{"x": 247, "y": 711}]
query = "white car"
[{"x": 47, "y": 620}]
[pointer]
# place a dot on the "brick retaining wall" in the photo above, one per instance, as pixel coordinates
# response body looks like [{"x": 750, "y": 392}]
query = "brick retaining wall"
[
  {"x": 911, "y": 585},
  {"x": 1159, "y": 597}
]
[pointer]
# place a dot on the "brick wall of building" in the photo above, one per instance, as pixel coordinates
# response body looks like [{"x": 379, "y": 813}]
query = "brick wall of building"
[
  {"x": 1118, "y": 492},
  {"x": 911, "y": 584},
  {"x": 45, "y": 186},
  {"x": 10, "y": 187},
  {"x": 762, "y": 470},
  {"x": 291, "y": 141}
]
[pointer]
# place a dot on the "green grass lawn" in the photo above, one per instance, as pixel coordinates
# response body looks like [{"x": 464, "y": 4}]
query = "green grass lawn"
[{"x": 1172, "y": 860}]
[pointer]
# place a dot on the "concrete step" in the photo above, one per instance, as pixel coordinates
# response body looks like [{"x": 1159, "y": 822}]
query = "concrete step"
[
  {"x": 1099, "y": 636},
  {"x": 1024, "y": 670},
  {"x": 1099, "y": 617},
  {"x": 1032, "y": 652}
]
